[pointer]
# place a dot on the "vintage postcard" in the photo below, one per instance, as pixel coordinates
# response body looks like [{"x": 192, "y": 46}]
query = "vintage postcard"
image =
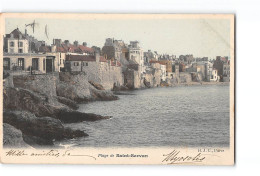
[{"x": 117, "y": 88}]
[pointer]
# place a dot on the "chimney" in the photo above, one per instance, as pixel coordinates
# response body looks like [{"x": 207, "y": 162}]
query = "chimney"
[
  {"x": 97, "y": 55},
  {"x": 42, "y": 43},
  {"x": 76, "y": 43},
  {"x": 53, "y": 48},
  {"x": 57, "y": 42},
  {"x": 67, "y": 42},
  {"x": 25, "y": 32},
  {"x": 84, "y": 43}
]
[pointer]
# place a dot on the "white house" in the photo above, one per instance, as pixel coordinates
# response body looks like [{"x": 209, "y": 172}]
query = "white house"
[
  {"x": 214, "y": 76},
  {"x": 27, "y": 63},
  {"x": 163, "y": 72},
  {"x": 16, "y": 42},
  {"x": 136, "y": 54}
]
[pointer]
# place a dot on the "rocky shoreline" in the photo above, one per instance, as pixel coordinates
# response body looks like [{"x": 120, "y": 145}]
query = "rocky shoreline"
[{"x": 37, "y": 106}]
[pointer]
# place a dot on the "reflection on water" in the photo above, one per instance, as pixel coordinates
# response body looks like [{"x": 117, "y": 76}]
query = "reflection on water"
[{"x": 178, "y": 116}]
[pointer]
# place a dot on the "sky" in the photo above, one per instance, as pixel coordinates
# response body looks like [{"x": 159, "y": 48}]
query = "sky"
[{"x": 200, "y": 37}]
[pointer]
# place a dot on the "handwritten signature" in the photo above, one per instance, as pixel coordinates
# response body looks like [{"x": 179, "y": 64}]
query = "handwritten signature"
[
  {"x": 48, "y": 153},
  {"x": 176, "y": 157}
]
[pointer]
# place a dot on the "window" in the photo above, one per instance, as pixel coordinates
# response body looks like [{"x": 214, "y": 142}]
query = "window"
[
  {"x": 21, "y": 63},
  {"x": 76, "y": 64},
  {"x": 12, "y": 44},
  {"x": 86, "y": 64},
  {"x": 20, "y": 44},
  {"x": 20, "y": 50}
]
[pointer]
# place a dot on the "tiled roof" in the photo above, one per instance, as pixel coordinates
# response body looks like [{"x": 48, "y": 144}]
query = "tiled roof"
[
  {"x": 76, "y": 49},
  {"x": 160, "y": 62},
  {"x": 86, "y": 49},
  {"x": 60, "y": 49},
  {"x": 223, "y": 59},
  {"x": 80, "y": 58},
  {"x": 102, "y": 59}
]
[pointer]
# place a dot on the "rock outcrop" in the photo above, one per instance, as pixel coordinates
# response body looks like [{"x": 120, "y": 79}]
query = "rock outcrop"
[
  {"x": 96, "y": 85},
  {"x": 68, "y": 102},
  {"x": 75, "y": 116},
  {"x": 36, "y": 105},
  {"x": 42, "y": 130},
  {"x": 13, "y": 137},
  {"x": 76, "y": 87},
  {"x": 120, "y": 88},
  {"x": 26, "y": 100}
]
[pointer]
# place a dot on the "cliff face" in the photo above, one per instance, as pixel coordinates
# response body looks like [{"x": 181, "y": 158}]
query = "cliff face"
[
  {"x": 41, "y": 84},
  {"x": 36, "y": 106},
  {"x": 27, "y": 100},
  {"x": 76, "y": 87}
]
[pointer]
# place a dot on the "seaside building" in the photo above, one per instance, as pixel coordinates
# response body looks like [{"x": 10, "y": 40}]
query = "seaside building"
[
  {"x": 21, "y": 56},
  {"x": 114, "y": 49},
  {"x": 214, "y": 76},
  {"x": 136, "y": 54},
  {"x": 97, "y": 68},
  {"x": 226, "y": 72},
  {"x": 163, "y": 72},
  {"x": 186, "y": 58},
  {"x": 219, "y": 65},
  {"x": 150, "y": 55}
]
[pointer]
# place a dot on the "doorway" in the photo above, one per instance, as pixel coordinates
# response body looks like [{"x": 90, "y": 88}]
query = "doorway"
[
  {"x": 49, "y": 65},
  {"x": 35, "y": 63},
  {"x": 6, "y": 63},
  {"x": 21, "y": 63}
]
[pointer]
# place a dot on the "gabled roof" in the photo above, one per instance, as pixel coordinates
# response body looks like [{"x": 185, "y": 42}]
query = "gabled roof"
[{"x": 16, "y": 33}]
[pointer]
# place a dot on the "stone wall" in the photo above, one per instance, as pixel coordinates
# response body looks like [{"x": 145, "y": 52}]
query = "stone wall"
[
  {"x": 226, "y": 79},
  {"x": 133, "y": 79},
  {"x": 43, "y": 84},
  {"x": 185, "y": 77},
  {"x": 104, "y": 74}
]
